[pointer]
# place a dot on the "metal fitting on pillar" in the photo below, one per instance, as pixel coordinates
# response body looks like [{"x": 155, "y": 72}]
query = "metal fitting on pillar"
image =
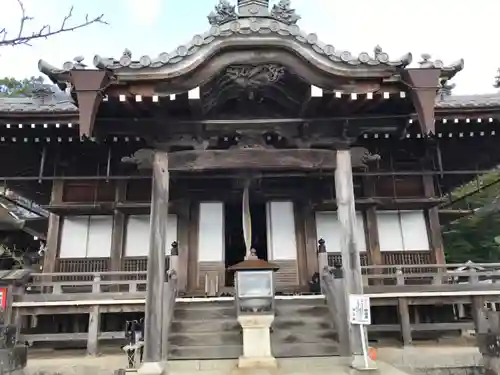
[
  {"x": 174, "y": 251},
  {"x": 174, "y": 256}
]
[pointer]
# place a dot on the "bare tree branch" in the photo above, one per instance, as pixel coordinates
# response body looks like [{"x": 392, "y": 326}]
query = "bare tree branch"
[{"x": 46, "y": 31}]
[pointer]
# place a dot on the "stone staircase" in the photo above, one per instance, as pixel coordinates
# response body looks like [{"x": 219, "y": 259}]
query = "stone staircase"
[
  {"x": 205, "y": 330},
  {"x": 210, "y": 330},
  {"x": 302, "y": 328}
]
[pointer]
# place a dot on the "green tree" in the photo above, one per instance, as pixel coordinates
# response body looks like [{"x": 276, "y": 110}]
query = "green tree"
[
  {"x": 11, "y": 87},
  {"x": 475, "y": 237}
]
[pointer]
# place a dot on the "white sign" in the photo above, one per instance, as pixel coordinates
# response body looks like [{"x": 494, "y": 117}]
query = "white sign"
[{"x": 359, "y": 309}]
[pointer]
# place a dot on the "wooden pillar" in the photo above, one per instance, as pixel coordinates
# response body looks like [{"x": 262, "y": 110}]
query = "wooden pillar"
[
  {"x": 153, "y": 315},
  {"x": 183, "y": 242},
  {"x": 194, "y": 218},
  {"x": 53, "y": 236},
  {"x": 311, "y": 241},
  {"x": 344, "y": 194},
  {"x": 371, "y": 228},
  {"x": 404, "y": 319},
  {"x": 300, "y": 237},
  {"x": 435, "y": 237},
  {"x": 118, "y": 236},
  {"x": 93, "y": 333}
]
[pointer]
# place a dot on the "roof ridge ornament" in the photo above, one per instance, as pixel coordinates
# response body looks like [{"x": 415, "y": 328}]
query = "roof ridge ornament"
[
  {"x": 284, "y": 12},
  {"x": 253, "y": 8},
  {"x": 223, "y": 12}
]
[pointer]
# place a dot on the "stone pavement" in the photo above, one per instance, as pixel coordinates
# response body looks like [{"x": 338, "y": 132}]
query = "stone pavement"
[
  {"x": 106, "y": 364},
  {"x": 392, "y": 361}
]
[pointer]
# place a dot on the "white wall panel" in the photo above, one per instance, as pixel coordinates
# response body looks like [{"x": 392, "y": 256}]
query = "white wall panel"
[
  {"x": 402, "y": 231},
  {"x": 414, "y": 229},
  {"x": 328, "y": 228},
  {"x": 74, "y": 233},
  {"x": 389, "y": 231},
  {"x": 99, "y": 236},
  {"x": 137, "y": 235},
  {"x": 282, "y": 243},
  {"x": 211, "y": 239}
]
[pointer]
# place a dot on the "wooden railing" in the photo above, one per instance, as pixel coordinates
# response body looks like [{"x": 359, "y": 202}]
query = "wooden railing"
[
  {"x": 87, "y": 282},
  {"x": 375, "y": 278}
]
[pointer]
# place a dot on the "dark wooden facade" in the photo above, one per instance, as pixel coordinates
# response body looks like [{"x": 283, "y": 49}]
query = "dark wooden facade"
[{"x": 252, "y": 98}]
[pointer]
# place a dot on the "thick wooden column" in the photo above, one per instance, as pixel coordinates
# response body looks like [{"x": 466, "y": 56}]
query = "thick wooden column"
[
  {"x": 118, "y": 235},
  {"x": 311, "y": 241},
  {"x": 192, "y": 272},
  {"x": 49, "y": 262},
  {"x": 300, "y": 237},
  {"x": 344, "y": 193},
  {"x": 434, "y": 226},
  {"x": 371, "y": 228},
  {"x": 183, "y": 242},
  {"x": 156, "y": 261}
]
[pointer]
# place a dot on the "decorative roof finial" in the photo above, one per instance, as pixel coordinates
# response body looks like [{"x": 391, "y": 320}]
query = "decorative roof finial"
[
  {"x": 253, "y": 8},
  {"x": 497, "y": 80},
  {"x": 222, "y": 13},
  {"x": 445, "y": 88},
  {"x": 283, "y": 12}
]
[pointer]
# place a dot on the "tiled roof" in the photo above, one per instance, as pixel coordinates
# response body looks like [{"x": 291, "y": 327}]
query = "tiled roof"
[
  {"x": 58, "y": 103},
  {"x": 469, "y": 101}
]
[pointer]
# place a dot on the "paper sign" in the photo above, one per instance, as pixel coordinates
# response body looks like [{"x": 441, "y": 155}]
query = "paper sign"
[{"x": 359, "y": 309}]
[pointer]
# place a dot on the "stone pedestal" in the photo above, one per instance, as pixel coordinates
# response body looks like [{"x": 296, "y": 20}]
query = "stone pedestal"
[
  {"x": 152, "y": 368},
  {"x": 358, "y": 363},
  {"x": 256, "y": 341}
]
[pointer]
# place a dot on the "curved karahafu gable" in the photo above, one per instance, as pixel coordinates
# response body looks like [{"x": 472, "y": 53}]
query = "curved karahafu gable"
[
  {"x": 251, "y": 34},
  {"x": 269, "y": 30}
]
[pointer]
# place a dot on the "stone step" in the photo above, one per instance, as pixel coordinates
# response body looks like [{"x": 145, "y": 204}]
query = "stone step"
[
  {"x": 297, "y": 322},
  {"x": 301, "y": 301},
  {"x": 205, "y": 352},
  {"x": 214, "y": 325},
  {"x": 286, "y": 350},
  {"x": 205, "y": 338},
  {"x": 303, "y": 336},
  {"x": 301, "y": 310},
  {"x": 204, "y": 305},
  {"x": 211, "y": 312}
]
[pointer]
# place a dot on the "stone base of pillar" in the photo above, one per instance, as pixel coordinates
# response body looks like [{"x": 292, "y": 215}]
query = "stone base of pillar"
[
  {"x": 256, "y": 341},
  {"x": 153, "y": 368},
  {"x": 255, "y": 362},
  {"x": 358, "y": 363}
]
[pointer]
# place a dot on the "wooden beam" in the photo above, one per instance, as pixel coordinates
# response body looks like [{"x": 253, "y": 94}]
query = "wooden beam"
[
  {"x": 434, "y": 226},
  {"x": 49, "y": 261},
  {"x": 118, "y": 234},
  {"x": 156, "y": 261},
  {"x": 371, "y": 227}
]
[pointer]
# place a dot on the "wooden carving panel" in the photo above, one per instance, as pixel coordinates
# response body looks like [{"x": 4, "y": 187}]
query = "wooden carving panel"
[
  {"x": 139, "y": 190},
  {"x": 398, "y": 186},
  {"x": 88, "y": 191}
]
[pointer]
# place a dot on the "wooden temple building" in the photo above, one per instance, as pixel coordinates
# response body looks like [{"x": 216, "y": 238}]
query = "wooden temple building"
[{"x": 258, "y": 102}]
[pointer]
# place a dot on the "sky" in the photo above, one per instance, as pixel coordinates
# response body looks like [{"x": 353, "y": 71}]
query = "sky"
[{"x": 446, "y": 29}]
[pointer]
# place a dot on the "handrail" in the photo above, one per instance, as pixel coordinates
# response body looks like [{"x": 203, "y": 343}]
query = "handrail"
[
  {"x": 333, "y": 289},
  {"x": 170, "y": 291}
]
